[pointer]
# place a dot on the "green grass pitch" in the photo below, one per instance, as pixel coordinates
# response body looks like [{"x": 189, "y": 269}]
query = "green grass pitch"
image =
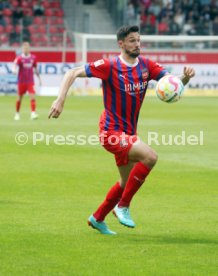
[{"x": 48, "y": 192}]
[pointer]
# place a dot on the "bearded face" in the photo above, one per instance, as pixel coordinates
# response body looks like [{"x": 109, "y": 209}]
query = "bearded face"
[{"x": 131, "y": 45}]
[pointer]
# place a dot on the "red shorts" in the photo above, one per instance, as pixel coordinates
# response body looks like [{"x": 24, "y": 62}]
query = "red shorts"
[
  {"x": 25, "y": 87},
  {"x": 119, "y": 143}
]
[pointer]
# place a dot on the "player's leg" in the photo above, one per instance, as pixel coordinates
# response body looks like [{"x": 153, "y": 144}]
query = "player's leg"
[
  {"x": 112, "y": 198},
  {"x": 31, "y": 91},
  {"x": 124, "y": 172},
  {"x": 114, "y": 194},
  {"x": 146, "y": 158},
  {"x": 113, "y": 142},
  {"x": 20, "y": 93}
]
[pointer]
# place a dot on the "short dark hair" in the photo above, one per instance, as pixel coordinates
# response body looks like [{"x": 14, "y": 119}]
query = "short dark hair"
[{"x": 124, "y": 31}]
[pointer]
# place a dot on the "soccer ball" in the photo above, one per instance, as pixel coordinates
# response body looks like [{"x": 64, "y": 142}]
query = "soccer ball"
[{"x": 169, "y": 89}]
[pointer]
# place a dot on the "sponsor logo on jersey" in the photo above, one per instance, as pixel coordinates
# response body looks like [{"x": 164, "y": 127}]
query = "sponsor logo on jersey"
[
  {"x": 135, "y": 88},
  {"x": 27, "y": 65},
  {"x": 98, "y": 62}
]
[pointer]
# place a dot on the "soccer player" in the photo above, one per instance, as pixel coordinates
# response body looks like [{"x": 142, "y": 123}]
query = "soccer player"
[
  {"x": 124, "y": 81},
  {"x": 27, "y": 66}
]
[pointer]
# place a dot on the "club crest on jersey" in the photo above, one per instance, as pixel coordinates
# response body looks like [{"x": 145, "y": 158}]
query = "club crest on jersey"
[
  {"x": 98, "y": 62},
  {"x": 145, "y": 74}
]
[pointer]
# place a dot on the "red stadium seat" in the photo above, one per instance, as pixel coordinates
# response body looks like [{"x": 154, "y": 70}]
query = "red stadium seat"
[
  {"x": 44, "y": 39},
  {"x": 68, "y": 39},
  {"x": 56, "y": 38},
  {"x": 35, "y": 38},
  {"x": 36, "y": 44},
  {"x": 32, "y": 28},
  {"x": 49, "y": 20},
  {"x": 48, "y": 12},
  {"x": 162, "y": 28},
  {"x": 25, "y": 4},
  {"x": 15, "y": 4},
  {"x": 15, "y": 44},
  {"x": 61, "y": 29},
  {"x": 28, "y": 12},
  {"x": 38, "y": 20},
  {"x": 59, "y": 13},
  {"x": 56, "y": 41},
  {"x": 2, "y": 29},
  {"x": 46, "y": 5},
  {"x": 4, "y": 39},
  {"x": 58, "y": 21},
  {"x": 9, "y": 28},
  {"x": 7, "y": 20},
  {"x": 70, "y": 44},
  {"x": 18, "y": 28},
  {"x": 39, "y": 40},
  {"x": 55, "y": 5},
  {"x": 53, "y": 30},
  {"x": 42, "y": 29},
  {"x": 7, "y": 12}
]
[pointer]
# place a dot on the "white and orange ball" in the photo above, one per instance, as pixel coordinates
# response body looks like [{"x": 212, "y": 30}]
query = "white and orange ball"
[{"x": 169, "y": 89}]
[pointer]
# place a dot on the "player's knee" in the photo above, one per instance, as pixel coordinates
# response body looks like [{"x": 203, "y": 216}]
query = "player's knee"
[{"x": 151, "y": 159}]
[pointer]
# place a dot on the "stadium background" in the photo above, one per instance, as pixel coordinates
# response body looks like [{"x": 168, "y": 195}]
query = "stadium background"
[
  {"x": 48, "y": 191},
  {"x": 51, "y": 28}
]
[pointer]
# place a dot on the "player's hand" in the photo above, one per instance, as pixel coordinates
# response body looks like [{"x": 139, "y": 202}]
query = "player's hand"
[
  {"x": 188, "y": 72},
  {"x": 56, "y": 108},
  {"x": 14, "y": 71}
]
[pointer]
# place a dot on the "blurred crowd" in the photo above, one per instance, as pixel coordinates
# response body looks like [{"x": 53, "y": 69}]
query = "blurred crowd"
[
  {"x": 11, "y": 14},
  {"x": 20, "y": 19},
  {"x": 37, "y": 21},
  {"x": 19, "y": 9},
  {"x": 173, "y": 17}
]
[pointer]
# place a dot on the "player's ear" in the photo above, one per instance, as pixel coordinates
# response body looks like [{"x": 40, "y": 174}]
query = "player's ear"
[{"x": 120, "y": 43}]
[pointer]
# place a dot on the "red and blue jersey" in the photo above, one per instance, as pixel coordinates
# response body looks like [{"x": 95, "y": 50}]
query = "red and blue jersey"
[
  {"x": 124, "y": 87},
  {"x": 26, "y": 65}
]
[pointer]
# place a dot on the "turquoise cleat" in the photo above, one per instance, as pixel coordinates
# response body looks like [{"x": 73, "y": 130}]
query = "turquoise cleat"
[
  {"x": 123, "y": 215},
  {"x": 100, "y": 226}
]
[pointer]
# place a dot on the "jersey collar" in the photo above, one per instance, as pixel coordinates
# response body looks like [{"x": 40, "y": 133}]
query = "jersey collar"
[
  {"x": 127, "y": 63},
  {"x": 25, "y": 56}
]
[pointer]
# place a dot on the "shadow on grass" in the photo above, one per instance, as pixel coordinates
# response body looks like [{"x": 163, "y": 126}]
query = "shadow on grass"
[
  {"x": 167, "y": 239},
  {"x": 13, "y": 202}
]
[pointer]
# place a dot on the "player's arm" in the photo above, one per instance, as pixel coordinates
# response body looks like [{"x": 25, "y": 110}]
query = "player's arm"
[
  {"x": 66, "y": 83},
  {"x": 14, "y": 68},
  {"x": 157, "y": 72},
  {"x": 38, "y": 75},
  {"x": 188, "y": 73}
]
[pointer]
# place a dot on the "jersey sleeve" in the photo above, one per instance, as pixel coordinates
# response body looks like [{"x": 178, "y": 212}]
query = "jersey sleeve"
[
  {"x": 17, "y": 61},
  {"x": 156, "y": 70},
  {"x": 98, "y": 69},
  {"x": 35, "y": 62}
]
